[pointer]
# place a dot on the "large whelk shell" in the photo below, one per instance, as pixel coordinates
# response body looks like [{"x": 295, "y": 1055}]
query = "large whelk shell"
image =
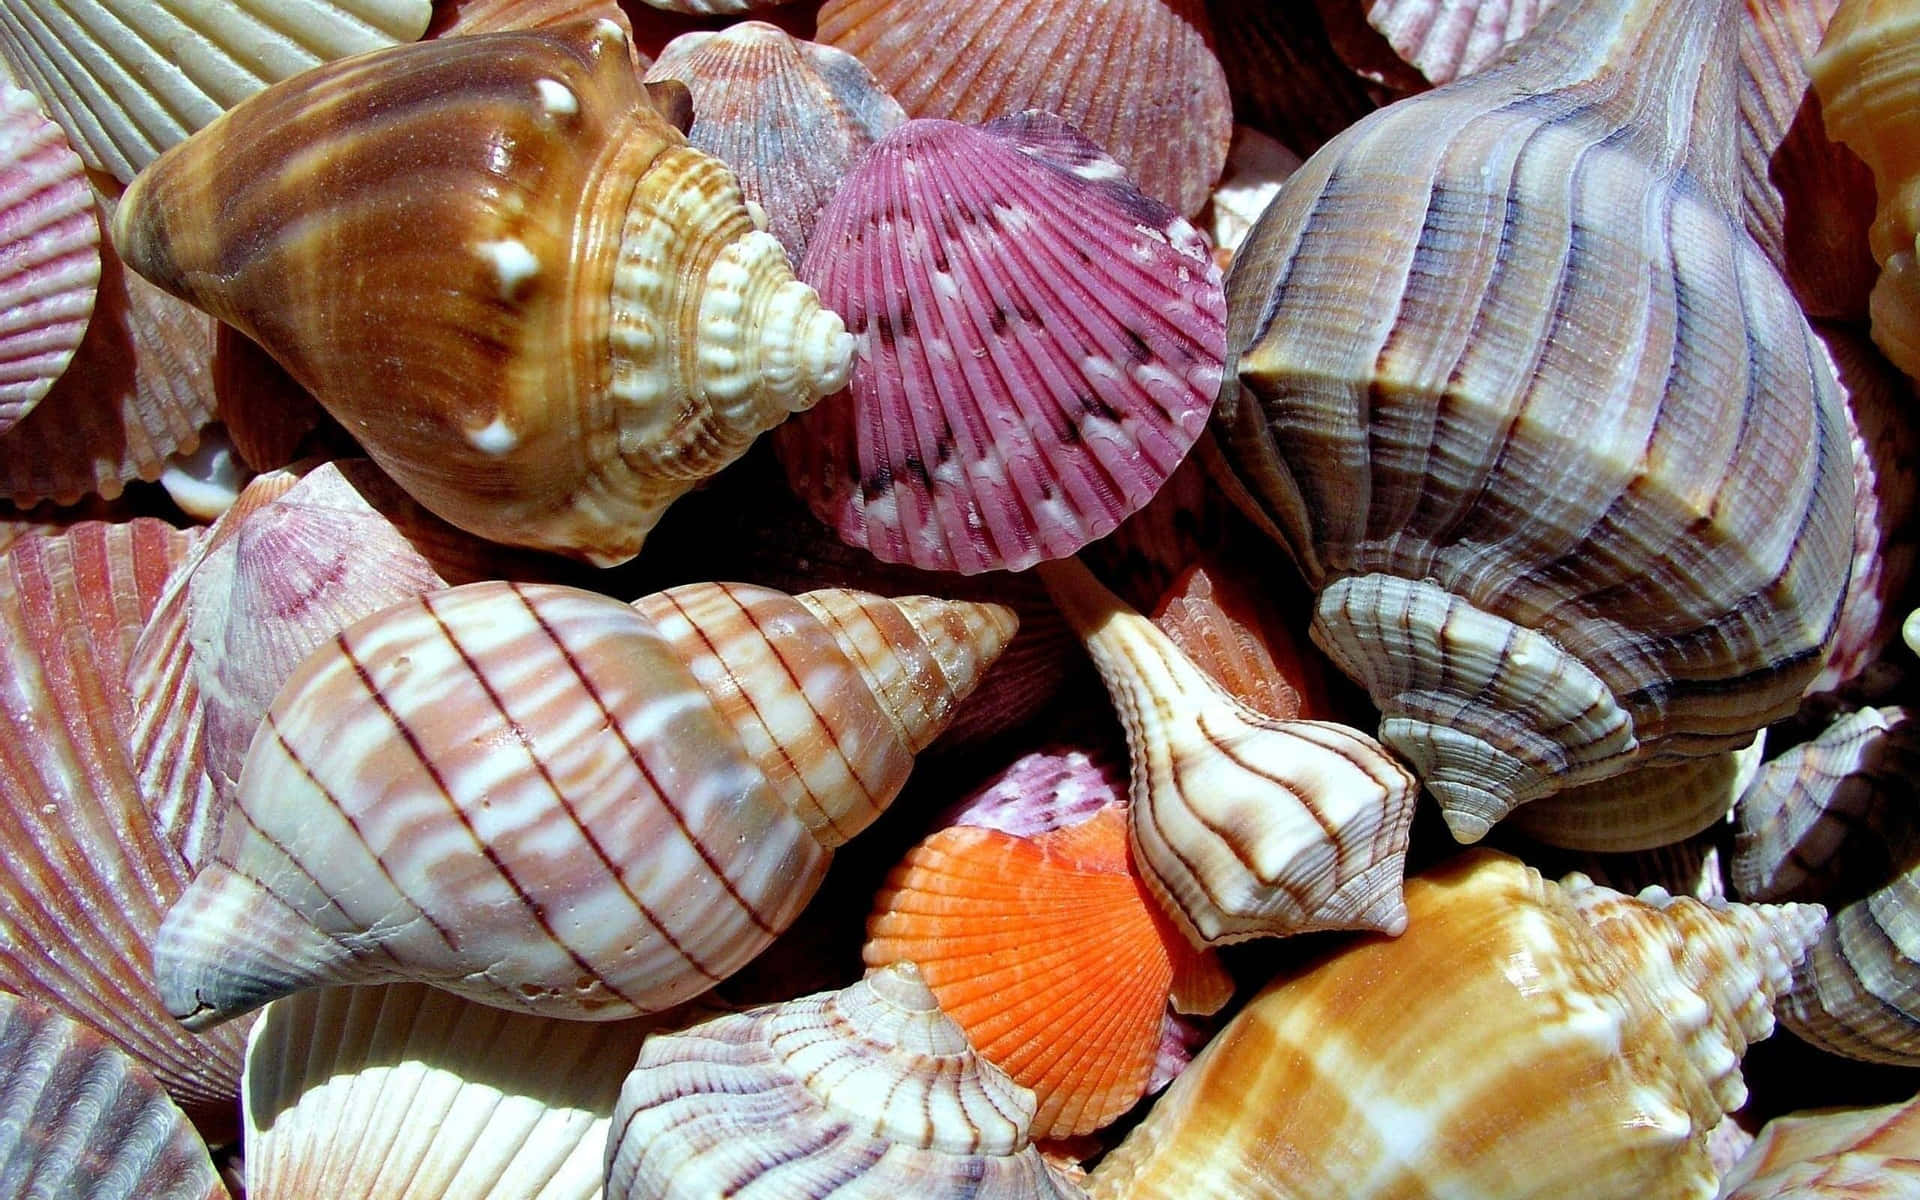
[
  {"x": 1147, "y": 88},
  {"x": 1563, "y": 459},
  {"x": 1244, "y": 825},
  {"x": 129, "y": 78},
  {"x": 86, "y": 871},
  {"x": 82, "y": 1119},
  {"x": 870, "y": 1091},
  {"x": 1523, "y": 1039},
  {"x": 1833, "y": 817},
  {"x": 1039, "y": 346},
  {"x": 790, "y": 117},
  {"x": 49, "y": 254},
  {"x": 405, "y": 1090},
  {"x": 1864, "y": 73},
  {"x": 1051, "y": 955},
  {"x": 1835, "y": 1154},
  {"x": 592, "y": 326},
  {"x": 542, "y": 798}
]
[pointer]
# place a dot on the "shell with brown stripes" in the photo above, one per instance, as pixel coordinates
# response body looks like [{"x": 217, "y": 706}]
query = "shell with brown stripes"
[
  {"x": 1538, "y": 419},
  {"x": 545, "y": 799}
]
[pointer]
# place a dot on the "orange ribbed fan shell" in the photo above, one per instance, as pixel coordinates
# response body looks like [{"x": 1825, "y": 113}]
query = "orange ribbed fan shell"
[{"x": 1050, "y": 954}]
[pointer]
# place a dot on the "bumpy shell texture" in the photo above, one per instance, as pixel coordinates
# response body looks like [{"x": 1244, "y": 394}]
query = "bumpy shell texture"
[
  {"x": 1039, "y": 345},
  {"x": 547, "y": 800},
  {"x": 871, "y": 1091},
  {"x": 593, "y": 325},
  {"x": 1547, "y": 431}
]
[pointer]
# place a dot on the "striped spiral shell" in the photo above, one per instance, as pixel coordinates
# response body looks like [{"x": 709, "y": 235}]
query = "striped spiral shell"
[{"x": 546, "y": 799}]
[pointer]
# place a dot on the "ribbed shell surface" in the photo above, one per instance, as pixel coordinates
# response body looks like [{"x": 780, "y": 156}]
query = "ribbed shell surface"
[
  {"x": 791, "y": 117},
  {"x": 1505, "y": 348},
  {"x": 86, "y": 871},
  {"x": 129, "y": 78},
  {"x": 1039, "y": 346},
  {"x": 1139, "y": 77},
  {"x": 80, "y": 1120},
  {"x": 49, "y": 254},
  {"x": 521, "y": 792}
]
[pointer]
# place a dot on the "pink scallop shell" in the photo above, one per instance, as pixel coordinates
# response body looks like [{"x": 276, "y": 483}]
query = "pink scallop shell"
[
  {"x": 1038, "y": 346},
  {"x": 1445, "y": 39},
  {"x": 49, "y": 254}
]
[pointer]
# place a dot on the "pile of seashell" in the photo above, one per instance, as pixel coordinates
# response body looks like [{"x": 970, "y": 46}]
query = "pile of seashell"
[{"x": 1223, "y": 459}]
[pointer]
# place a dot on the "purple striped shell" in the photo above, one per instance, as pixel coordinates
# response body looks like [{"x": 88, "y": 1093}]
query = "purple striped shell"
[{"x": 1038, "y": 346}]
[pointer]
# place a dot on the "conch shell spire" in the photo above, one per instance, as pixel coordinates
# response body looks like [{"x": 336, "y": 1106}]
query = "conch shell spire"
[{"x": 504, "y": 270}]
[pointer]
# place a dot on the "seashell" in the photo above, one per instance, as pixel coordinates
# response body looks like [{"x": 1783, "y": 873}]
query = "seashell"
[
  {"x": 544, "y": 799},
  {"x": 597, "y": 326},
  {"x": 1477, "y": 410},
  {"x": 1039, "y": 346},
  {"x": 1050, "y": 955},
  {"x": 1809, "y": 202},
  {"x": 267, "y": 416},
  {"x": 1256, "y": 167},
  {"x": 1051, "y": 788},
  {"x": 1243, "y": 825},
  {"x": 1831, "y": 818},
  {"x": 128, "y": 78},
  {"x": 1521, "y": 1039},
  {"x": 1858, "y": 993},
  {"x": 85, "y": 870},
  {"x": 84, "y": 1119},
  {"x": 1445, "y": 39},
  {"x": 1644, "y": 807},
  {"x": 1283, "y": 72},
  {"x": 1885, "y": 495},
  {"x": 868, "y": 1091},
  {"x": 458, "y": 18},
  {"x": 49, "y": 254},
  {"x": 404, "y": 1090},
  {"x": 301, "y": 559},
  {"x": 1218, "y": 620},
  {"x": 137, "y": 392},
  {"x": 1833, "y": 1154},
  {"x": 1146, "y": 87},
  {"x": 205, "y": 483},
  {"x": 1863, "y": 73},
  {"x": 791, "y": 117}
]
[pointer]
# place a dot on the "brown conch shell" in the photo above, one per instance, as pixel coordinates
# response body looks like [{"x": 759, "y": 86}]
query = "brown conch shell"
[
  {"x": 1523, "y": 1039},
  {"x": 504, "y": 271},
  {"x": 1545, "y": 429},
  {"x": 869, "y": 1091},
  {"x": 1243, "y": 825},
  {"x": 545, "y": 799}
]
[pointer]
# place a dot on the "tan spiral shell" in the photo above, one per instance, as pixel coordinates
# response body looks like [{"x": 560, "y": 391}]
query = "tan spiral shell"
[
  {"x": 504, "y": 271},
  {"x": 869, "y": 1091},
  {"x": 545, "y": 799},
  {"x": 1523, "y": 1039},
  {"x": 1539, "y": 420}
]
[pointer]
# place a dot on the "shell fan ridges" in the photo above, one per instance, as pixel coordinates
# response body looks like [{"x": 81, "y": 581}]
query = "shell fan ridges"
[
  {"x": 1505, "y": 410},
  {"x": 1039, "y": 344}
]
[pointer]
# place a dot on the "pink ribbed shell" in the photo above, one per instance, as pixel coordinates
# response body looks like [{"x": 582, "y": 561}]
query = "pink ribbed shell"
[
  {"x": 49, "y": 254},
  {"x": 1039, "y": 344}
]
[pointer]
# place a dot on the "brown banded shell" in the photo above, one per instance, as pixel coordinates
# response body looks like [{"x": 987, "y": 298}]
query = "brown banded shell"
[
  {"x": 1244, "y": 825},
  {"x": 869, "y": 1091},
  {"x": 1832, "y": 1154},
  {"x": 83, "y": 1119},
  {"x": 1865, "y": 72},
  {"x": 594, "y": 326},
  {"x": 791, "y": 117},
  {"x": 128, "y": 78},
  {"x": 86, "y": 870},
  {"x": 1858, "y": 993},
  {"x": 1148, "y": 89},
  {"x": 408, "y": 1091},
  {"x": 547, "y": 800},
  {"x": 1523, "y": 1039},
  {"x": 1645, "y": 807},
  {"x": 1547, "y": 432},
  {"x": 49, "y": 254}
]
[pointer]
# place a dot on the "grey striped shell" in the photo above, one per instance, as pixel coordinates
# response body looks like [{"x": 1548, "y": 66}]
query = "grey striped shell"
[
  {"x": 870, "y": 1091},
  {"x": 546, "y": 799},
  {"x": 1538, "y": 419}
]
